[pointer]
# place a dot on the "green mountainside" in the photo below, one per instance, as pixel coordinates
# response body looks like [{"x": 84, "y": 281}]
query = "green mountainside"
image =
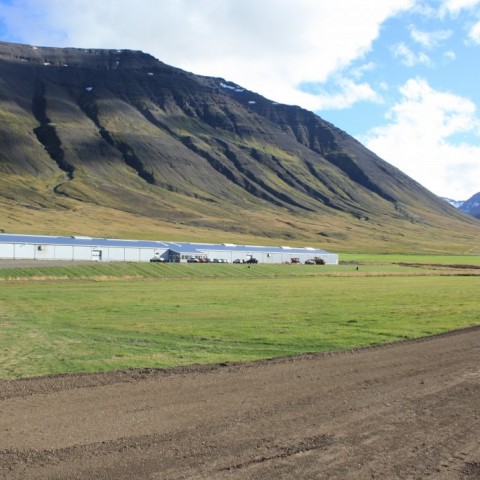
[{"x": 116, "y": 143}]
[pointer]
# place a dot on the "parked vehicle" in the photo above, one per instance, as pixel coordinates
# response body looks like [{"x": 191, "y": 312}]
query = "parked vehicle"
[
  {"x": 315, "y": 261},
  {"x": 251, "y": 260},
  {"x": 193, "y": 260},
  {"x": 157, "y": 259},
  {"x": 237, "y": 260}
]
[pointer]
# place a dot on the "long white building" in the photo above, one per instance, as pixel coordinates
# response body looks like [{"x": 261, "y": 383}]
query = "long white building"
[{"x": 41, "y": 247}]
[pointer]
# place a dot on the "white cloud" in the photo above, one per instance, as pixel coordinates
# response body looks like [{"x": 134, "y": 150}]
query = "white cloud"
[
  {"x": 474, "y": 33},
  {"x": 347, "y": 94},
  {"x": 272, "y": 46},
  {"x": 420, "y": 139},
  {"x": 450, "y": 56},
  {"x": 429, "y": 39},
  {"x": 408, "y": 57},
  {"x": 454, "y": 6},
  {"x": 359, "y": 72}
]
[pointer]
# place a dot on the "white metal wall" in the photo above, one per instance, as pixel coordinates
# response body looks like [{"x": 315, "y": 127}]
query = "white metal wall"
[
  {"x": 7, "y": 250},
  {"x": 145, "y": 254},
  {"x": 63, "y": 252},
  {"x": 266, "y": 257},
  {"x": 24, "y": 251},
  {"x": 82, "y": 253},
  {"x": 115, "y": 254},
  {"x": 132, "y": 254}
]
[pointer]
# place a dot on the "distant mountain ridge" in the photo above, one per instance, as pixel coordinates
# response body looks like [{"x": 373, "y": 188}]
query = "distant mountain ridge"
[
  {"x": 86, "y": 130},
  {"x": 454, "y": 203},
  {"x": 470, "y": 206}
]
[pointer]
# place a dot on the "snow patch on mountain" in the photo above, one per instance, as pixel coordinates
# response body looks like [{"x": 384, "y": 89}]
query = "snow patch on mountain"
[
  {"x": 454, "y": 203},
  {"x": 470, "y": 206}
]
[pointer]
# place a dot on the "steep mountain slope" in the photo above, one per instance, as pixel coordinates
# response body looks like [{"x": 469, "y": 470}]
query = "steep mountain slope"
[{"x": 116, "y": 142}]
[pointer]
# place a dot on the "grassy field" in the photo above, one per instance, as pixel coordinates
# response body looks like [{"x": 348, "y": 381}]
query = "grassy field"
[
  {"x": 102, "y": 317},
  {"x": 389, "y": 259},
  {"x": 385, "y": 264},
  {"x": 175, "y": 270}
]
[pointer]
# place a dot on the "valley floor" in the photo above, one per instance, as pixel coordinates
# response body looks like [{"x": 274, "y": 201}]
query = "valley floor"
[{"x": 403, "y": 411}]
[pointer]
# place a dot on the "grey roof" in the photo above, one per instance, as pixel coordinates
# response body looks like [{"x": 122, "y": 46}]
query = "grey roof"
[{"x": 179, "y": 247}]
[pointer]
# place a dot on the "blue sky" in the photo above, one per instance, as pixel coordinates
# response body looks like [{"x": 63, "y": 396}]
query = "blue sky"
[{"x": 399, "y": 75}]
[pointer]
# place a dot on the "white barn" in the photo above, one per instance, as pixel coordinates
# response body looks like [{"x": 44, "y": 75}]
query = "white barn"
[{"x": 42, "y": 247}]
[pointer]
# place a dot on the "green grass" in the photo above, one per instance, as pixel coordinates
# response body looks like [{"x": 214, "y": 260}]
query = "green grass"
[
  {"x": 119, "y": 270},
  {"x": 366, "y": 258},
  {"x": 367, "y": 264},
  {"x": 217, "y": 313}
]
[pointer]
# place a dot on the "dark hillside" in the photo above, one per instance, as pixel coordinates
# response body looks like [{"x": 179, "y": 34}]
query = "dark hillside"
[{"x": 118, "y": 134}]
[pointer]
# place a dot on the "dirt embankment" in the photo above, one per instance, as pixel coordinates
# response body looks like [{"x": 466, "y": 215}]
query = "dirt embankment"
[{"x": 408, "y": 411}]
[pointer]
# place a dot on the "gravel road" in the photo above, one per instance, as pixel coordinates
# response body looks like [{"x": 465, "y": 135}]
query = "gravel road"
[{"x": 406, "y": 411}]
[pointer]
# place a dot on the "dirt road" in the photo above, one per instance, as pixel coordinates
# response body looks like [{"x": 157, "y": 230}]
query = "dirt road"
[{"x": 408, "y": 411}]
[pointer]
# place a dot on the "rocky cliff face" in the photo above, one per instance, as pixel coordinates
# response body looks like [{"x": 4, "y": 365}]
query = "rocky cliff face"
[{"x": 121, "y": 129}]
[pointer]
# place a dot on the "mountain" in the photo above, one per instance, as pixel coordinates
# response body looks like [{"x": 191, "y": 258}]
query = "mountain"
[
  {"x": 472, "y": 206},
  {"x": 454, "y": 203},
  {"x": 117, "y": 143}
]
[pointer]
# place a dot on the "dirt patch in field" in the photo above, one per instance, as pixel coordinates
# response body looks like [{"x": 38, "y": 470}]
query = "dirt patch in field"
[
  {"x": 406, "y": 411},
  {"x": 43, "y": 263},
  {"x": 456, "y": 266}
]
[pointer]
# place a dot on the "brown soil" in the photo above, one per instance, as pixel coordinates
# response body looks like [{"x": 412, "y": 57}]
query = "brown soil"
[{"x": 406, "y": 411}]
